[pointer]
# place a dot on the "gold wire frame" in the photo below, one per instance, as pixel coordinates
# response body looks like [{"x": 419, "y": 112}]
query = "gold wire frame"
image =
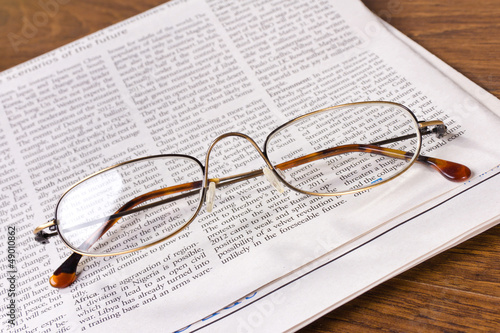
[
  {"x": 89, "y": 254},
  {"x": 202, "y": 192},
  {"x": 289, "y": 123}
]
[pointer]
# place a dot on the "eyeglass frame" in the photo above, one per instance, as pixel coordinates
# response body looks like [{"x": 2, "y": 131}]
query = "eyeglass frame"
[{"x": 439, "y": 129}]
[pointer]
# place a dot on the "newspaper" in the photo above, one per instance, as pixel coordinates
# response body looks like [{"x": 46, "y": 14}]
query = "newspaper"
[{"x": 171, "y": 80}]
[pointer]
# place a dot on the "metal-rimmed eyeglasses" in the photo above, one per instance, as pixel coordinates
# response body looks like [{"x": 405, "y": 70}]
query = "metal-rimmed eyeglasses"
[{"x": 330, "y": 152}]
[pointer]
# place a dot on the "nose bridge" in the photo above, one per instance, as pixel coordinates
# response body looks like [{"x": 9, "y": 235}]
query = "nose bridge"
[{"x": 232, "y": 134}]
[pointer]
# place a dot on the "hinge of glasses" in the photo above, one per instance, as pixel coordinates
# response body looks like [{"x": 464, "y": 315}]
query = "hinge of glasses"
[
  {"x": 439, "y": 127},
  {"x": 42, "y": 236}
]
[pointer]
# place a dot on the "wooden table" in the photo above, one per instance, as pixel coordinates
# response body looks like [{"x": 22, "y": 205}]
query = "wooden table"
[{"x": 458, "y": 290}]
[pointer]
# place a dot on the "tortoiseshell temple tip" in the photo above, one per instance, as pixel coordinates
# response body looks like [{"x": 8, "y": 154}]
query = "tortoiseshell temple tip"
[
  {"x": 450, "y": 170},
  {"x": 62, "y": 280},
  {"x": 65, "y": 275}
]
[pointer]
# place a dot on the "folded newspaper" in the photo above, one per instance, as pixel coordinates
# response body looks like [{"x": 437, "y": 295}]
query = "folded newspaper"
[{"x": 173, "y": 79}]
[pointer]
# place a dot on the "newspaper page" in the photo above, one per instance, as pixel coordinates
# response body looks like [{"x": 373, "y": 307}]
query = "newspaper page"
[{"x": 171, "y": 80}]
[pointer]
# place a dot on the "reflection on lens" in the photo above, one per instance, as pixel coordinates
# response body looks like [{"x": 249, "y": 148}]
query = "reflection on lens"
[
  {"x": 347, "y": 148},
  {"x": 131, "y": 205}
]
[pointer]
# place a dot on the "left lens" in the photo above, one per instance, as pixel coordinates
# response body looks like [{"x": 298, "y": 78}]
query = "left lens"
[
  {"x": 131, "y": 205},
  {"x": 346, "y": 148}
]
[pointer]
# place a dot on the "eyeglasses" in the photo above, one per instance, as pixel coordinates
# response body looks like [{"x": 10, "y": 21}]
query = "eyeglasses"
[{"x": 335, "y": 151}]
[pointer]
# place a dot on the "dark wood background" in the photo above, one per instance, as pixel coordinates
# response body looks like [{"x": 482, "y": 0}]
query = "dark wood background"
[{"x": 456, "y": 291}]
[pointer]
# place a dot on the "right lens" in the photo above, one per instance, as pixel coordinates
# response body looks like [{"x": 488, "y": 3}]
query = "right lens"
[
  {"x": 131, "y": 205},
  {"x": 346, "y": 148}
]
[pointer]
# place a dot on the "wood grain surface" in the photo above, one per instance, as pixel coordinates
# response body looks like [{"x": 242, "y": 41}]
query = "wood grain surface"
[{"x": 456, "y": 291}]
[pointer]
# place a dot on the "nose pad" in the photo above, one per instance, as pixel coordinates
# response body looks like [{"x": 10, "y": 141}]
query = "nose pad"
[
  {"x": 280, "y": 172},
  {"x": 271, "y": 177},
  {"x": 210, "y": 197}
]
